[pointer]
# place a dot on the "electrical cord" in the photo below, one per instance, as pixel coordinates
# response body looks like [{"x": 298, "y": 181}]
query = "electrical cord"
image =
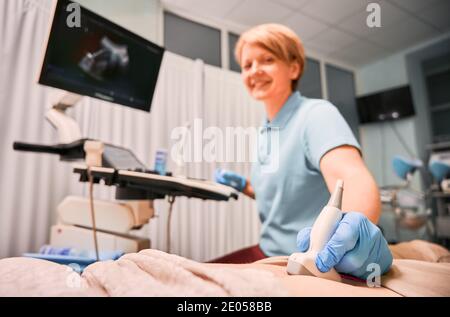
[
  {"x": 91, "y": 204},
  {"x": 171, "y": 200},
  {"x": 383, "y": 156}
]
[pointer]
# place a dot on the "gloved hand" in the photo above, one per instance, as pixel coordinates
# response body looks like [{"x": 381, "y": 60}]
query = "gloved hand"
[
  {"x": 356, "y": 243},
  {"x": 230, "y": 178}
]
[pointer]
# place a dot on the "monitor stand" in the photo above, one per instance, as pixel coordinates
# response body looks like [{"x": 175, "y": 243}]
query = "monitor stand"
[{"x": 67, "y": 128}]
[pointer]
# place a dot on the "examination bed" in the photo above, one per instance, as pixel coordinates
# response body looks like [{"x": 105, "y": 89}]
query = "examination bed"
[{"x": 420, "y": 269}]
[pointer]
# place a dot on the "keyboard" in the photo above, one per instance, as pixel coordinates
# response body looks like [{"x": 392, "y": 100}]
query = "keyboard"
[{"x": 166, "y": 185}]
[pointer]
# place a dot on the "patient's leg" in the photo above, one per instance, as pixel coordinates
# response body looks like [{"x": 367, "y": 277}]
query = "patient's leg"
[{"x": 300, "y": 285}]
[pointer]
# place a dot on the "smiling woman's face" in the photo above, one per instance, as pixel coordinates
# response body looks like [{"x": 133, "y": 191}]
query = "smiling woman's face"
[{"x": 265, "y": 75}]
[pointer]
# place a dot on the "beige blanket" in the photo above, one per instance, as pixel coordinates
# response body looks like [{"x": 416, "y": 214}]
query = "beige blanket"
[
  {"x": 147, "y": 273},
  {"x": 155, "y": 273}
]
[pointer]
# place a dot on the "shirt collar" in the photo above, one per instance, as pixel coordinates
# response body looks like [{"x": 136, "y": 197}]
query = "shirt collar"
[{"x": 285, "y": 113}]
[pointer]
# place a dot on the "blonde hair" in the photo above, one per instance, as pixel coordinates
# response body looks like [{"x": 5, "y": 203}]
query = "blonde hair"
[{"x": 277, "y": 39}]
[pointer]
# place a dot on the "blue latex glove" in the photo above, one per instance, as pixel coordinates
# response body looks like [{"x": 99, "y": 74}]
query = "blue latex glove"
[
  {"x": 356, "y": 243},
  {"x": 229, "y": 178}
]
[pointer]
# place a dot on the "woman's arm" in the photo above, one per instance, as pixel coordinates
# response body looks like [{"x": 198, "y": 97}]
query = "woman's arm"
[
  {"x": 360, "y": 189},
  {"x": 248, "y": 190},
  {"x": 357, "y": 242}
]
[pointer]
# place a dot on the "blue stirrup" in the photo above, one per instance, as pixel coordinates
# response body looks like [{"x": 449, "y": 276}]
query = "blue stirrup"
[
  {"x": 439, "y": 170},
  {"x": 403, "y": 166}
]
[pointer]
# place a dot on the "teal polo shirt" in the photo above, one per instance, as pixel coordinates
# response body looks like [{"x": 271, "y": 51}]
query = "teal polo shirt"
[{"x": 290, "y": 190}]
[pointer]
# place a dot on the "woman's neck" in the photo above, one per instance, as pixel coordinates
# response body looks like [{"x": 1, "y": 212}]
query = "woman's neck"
[{"x": 274, "y": 105}]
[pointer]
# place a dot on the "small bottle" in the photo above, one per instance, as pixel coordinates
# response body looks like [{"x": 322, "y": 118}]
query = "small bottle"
[{"x": 161, "y": 161}]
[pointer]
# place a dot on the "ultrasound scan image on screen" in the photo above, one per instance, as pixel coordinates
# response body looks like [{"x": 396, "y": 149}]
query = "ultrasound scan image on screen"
[{"x": 100, "y": 59}]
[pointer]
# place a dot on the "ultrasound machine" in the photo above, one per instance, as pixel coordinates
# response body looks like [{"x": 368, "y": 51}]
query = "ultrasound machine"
[{"x": 105, "y": 61}]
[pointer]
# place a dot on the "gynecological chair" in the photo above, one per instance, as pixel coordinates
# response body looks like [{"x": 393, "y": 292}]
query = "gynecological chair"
[
  {"x": 439, "y": 167},
  {"x": 410, "y": 206},
  {"x": 441, "y": 173}
]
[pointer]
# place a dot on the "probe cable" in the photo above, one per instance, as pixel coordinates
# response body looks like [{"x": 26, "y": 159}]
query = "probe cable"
[
  {"x": 171, "y": 200},
  {"x": 91, "y": 203}
]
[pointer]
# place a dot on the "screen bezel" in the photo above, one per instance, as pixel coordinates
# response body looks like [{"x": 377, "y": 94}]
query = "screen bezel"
[{"x": 42, "y": 80}]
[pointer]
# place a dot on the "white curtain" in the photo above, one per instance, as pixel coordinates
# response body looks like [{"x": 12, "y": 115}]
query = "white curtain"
[
  {"x": 227, "y": 105},
  {"x": 32, "y": 185}
]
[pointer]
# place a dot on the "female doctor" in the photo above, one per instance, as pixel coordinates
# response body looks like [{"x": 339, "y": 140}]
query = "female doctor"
[{"x": 316, "y": 148}]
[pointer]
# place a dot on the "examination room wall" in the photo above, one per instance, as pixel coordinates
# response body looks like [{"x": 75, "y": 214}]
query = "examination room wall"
[
  {"x": 382, "y": 141},
  {"x": 32, "y": 185},
  {"x": 139, "y": 16}
]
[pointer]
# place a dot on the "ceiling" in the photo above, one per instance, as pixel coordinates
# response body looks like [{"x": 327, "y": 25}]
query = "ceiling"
[{"x": 335, "y": 29}]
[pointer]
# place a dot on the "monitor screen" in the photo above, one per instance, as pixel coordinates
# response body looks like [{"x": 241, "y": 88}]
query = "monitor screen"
[
  {"x": 100, "y": 59},
  {"x": 392, "y": 104},
  {"x": 120, "y": 158}
]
